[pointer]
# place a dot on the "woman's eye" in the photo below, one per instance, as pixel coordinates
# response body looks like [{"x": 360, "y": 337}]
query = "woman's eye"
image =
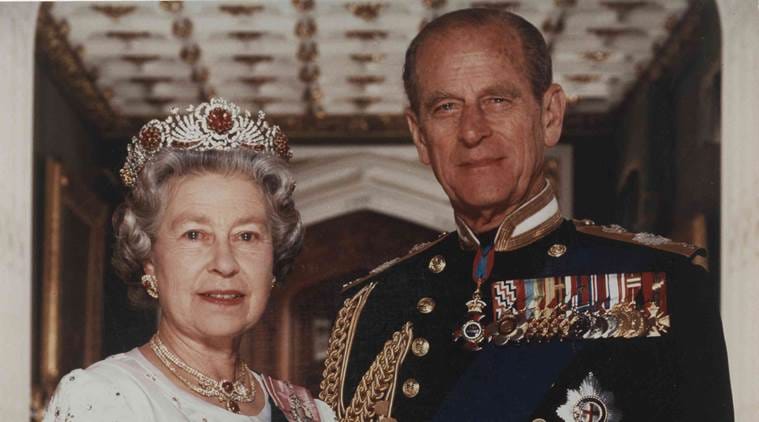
[
  {"x": 248, "y": 236},
  {"x": 193, "y": 235}
]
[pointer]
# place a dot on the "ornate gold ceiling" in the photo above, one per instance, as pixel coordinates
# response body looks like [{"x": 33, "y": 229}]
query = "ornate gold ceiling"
[{"x": 320, "y": 67}]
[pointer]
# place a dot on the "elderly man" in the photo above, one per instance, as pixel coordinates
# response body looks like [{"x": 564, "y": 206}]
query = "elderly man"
[{"x": 519, "y": 314}]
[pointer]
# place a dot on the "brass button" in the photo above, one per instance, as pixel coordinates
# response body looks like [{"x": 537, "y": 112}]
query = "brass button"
[
  {"x": 425, "y": 305},
  {"x": 420, "y": 346},
  {"x": 556, "y": 250},
  {"x": 437, "y": 264},
  {"x": 410, "y": 388}
]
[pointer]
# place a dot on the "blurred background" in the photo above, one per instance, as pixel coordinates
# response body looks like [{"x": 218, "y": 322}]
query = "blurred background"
[{"x": 640, "y": 147}]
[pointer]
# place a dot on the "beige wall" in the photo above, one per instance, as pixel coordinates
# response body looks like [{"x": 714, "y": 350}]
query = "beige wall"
[
  {"x": 740, "y": 199},
  {"x": 16, "y": 108}
]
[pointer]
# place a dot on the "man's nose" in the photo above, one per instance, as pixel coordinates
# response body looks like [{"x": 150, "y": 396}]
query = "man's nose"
[{"x": 473, "y": 125}]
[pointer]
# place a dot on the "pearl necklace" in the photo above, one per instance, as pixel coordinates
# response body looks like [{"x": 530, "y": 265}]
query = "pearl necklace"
[{"x": 231, "y": 394}]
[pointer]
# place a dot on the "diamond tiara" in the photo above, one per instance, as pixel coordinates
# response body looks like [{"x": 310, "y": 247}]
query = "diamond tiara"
[{"x": 216, "y": 125}]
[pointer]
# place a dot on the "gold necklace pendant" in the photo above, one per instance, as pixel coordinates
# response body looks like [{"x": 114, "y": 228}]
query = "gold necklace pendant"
[
  {"x": 233, "y": 407},
  {"x": 229, "y": 393}
]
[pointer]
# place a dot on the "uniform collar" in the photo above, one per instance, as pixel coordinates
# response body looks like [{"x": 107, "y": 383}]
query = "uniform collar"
[{"x": 532, "y": 220}]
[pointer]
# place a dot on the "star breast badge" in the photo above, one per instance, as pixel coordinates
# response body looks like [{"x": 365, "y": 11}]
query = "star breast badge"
[{"x": 589, "y": 404}]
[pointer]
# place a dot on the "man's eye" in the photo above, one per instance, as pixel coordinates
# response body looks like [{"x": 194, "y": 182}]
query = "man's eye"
[{"x": 445, "y": 108}]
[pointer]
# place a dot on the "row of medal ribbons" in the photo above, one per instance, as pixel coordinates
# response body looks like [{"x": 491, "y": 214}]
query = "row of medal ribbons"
[{"x": 623, "y": 305}]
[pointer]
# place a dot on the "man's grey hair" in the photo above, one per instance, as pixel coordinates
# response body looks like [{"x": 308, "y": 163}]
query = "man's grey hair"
[{"x": 536, "y": 55}]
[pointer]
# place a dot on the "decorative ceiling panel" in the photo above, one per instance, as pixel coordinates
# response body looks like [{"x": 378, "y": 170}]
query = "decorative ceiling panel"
[{"x": 314, "y": 62}]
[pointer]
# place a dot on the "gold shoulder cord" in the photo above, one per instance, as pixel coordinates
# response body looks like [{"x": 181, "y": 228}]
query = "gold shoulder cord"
[
  {"x": 378, "y": 383},
  {"x": 340, "y": 340}
]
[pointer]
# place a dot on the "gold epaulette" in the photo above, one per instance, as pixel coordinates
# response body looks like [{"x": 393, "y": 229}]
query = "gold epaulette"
[
  {"x": 655, "y": 241},
  {"x": 415, "y": 250}
]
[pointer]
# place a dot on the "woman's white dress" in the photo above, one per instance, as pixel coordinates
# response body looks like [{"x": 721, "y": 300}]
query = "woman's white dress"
[{"x": 128, "y": 387}]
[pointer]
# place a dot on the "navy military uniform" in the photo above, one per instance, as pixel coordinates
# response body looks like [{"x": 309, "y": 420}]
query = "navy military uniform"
[{"x": 392, "y": 353}]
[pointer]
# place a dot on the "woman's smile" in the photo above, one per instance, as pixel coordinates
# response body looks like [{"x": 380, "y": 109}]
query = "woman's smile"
[
  {"x": 198, "y": 230},
  {"x": 223, "y": 297}
]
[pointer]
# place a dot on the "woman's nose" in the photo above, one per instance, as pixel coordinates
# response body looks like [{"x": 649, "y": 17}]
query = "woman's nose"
[{"x": 224, "y": 261}]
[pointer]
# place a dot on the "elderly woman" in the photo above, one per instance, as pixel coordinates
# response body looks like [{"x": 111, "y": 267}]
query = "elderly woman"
[{"x": 209, "y": 227}]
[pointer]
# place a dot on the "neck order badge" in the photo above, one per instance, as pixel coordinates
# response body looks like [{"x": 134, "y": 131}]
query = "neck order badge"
[{"x": 472, "y": 332}]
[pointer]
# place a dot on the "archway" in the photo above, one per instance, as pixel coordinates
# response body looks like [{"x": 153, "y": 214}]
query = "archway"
[
  {"x": 298, "y": 329},
  {"x": 388, "y": 180}
]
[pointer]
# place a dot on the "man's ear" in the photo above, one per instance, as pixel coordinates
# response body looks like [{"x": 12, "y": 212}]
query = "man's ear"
[
  {"x": 554, "y": 105},
  {"x": 417, "y": 136}
]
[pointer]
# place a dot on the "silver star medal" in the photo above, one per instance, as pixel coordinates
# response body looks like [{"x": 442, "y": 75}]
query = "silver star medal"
[{"x": 589, "y": 404}]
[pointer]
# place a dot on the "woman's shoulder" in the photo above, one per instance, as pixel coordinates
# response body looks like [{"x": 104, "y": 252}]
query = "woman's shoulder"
[
  {"x": 106, "y": 390},
  {"x": 119, "y": 371},
  {"x": 296, "y": 402}
]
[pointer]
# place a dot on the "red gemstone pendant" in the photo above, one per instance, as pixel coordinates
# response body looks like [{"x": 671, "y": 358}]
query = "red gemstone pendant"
[
  {"x": 227, "y": 386},
  {"x": 233, "y": 407}
]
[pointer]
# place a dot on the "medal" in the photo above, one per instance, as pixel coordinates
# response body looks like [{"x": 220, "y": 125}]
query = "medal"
[
  {"x": 582, "y": 307},
  {"x": 472, "y": 331},
  {"x": 589, "y": 402}
]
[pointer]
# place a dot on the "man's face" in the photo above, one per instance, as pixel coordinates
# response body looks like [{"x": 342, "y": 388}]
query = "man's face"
[{"x": 479, "y": 125}]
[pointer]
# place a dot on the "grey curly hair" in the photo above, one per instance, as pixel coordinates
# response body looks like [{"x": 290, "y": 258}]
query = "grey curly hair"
[{"x": 137, "y": 220}]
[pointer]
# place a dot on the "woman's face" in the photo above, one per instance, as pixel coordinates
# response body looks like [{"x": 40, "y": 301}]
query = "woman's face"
[{"x": 212, "y": 256}]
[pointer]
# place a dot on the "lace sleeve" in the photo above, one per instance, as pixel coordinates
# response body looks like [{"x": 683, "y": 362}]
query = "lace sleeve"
[{"x": 82, "y": 396}]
